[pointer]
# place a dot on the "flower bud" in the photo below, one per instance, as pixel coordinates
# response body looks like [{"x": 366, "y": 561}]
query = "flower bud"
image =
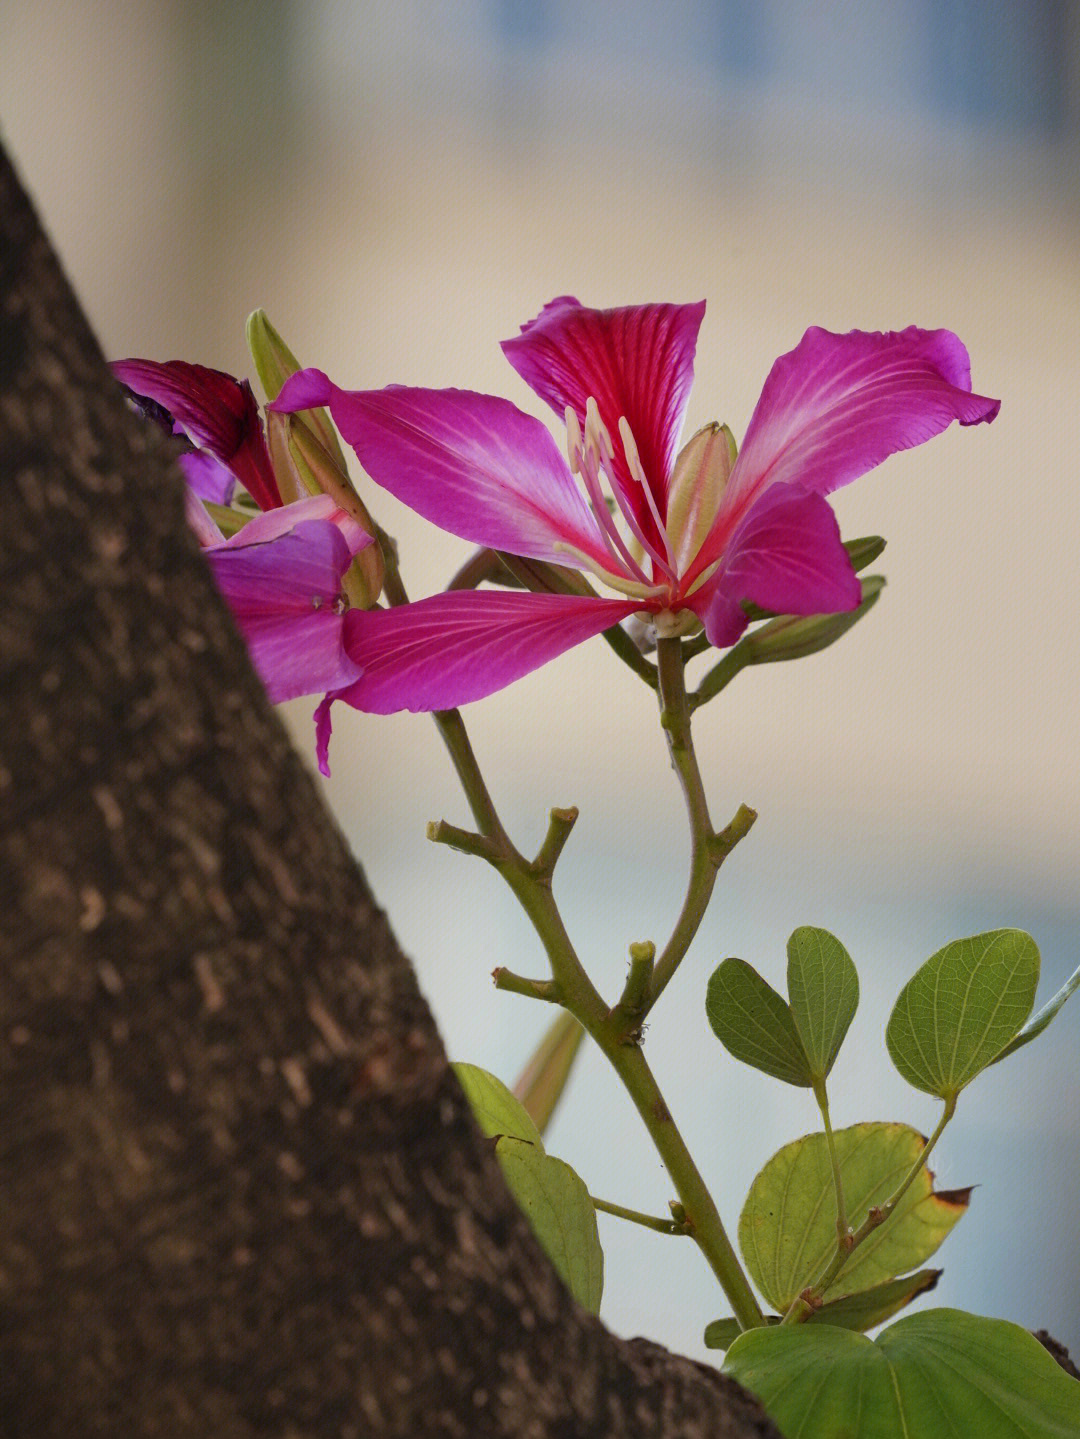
[
  {"x": 320, "y": 473},
  {"x": 790, "y": 637},
  {"x": 274, "y": 363}
]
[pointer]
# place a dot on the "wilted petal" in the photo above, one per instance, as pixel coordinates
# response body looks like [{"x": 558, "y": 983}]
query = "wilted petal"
[
  {"x": 837, "y": 405},
  {"x": 217, "y": 413},
  {"x": 472, "y": 464},
  {"x": 786, "y": 556},
  {"x": 636, "y": 362},
  {"x": 453, "y": 648}
]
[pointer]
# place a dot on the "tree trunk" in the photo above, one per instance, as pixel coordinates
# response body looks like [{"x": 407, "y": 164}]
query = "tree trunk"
[{"x": 241, "y": 1191}]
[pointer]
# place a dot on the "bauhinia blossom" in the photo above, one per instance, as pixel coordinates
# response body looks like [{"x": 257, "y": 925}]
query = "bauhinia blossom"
[
  {"x": 283, "y": 572},
  {"x": 691, "y": 534}
]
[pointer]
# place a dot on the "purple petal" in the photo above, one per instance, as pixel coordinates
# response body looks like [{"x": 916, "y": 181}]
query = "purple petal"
[
  {"x": 636, "y": 362},
  {"x": 284, "y": 593},
  {"x": 786, "y": 556},
  {"x": 297, "y": 656},
  {"x": 298, "y": 572},
  {"x": 453, "y": 648},
  {"x": 837, "y": 405},
  {"x": 272, "y": 523},
  {"x": 472, "y": 464},
  {"x": 217, "y": 413},
  {"x": 207, "y": 477}
]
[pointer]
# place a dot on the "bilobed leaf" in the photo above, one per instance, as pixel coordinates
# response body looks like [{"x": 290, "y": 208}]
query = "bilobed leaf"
[
  {"x": 823, "y": 994},
  {"x": 787, "y": 1229},
  {"x": 1038, "y": 1022},
  {"x": 935, "y": 1374},
  {"x": 754, "y": 1024},
  {"x": 495, "y": 1109},
  {"x": 562, "y": 1216},
  {"x": 961, "y": 1008},
  {"x": 856, "y": 1311}
]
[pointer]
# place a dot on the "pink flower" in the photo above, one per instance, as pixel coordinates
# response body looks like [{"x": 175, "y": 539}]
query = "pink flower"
[{"x": 690, "y": 535}]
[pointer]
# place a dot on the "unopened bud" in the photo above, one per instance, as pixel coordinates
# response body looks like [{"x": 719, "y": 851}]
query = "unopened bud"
[
  {"x": 274, "y": 363},
  {"x": 790, "y": 637},
  {"x": 320, "y": 474}
]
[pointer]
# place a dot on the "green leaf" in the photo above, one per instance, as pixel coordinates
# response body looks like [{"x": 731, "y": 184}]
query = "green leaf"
[
  {"x": 540, "y": 1084},
  {"x": 856, "y": 1311},
  {"x": 787, "y": 1229},
  {"x": 1038, "y": 1022},
  {"x": 823, "y": 994},
  {"x": 754, "y": 1024},
  {"x": 959, "y": 1011},
  {"x": 935, "y": 1374},
  {"x": 495, "y": 1109},
  {"x": 562, "y": 1216}
]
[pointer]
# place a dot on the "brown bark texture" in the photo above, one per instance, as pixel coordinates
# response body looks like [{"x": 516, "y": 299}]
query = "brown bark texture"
[{"x": 240, "y": 1192}]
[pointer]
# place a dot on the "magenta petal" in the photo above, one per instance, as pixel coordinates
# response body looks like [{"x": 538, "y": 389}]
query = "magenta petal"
[
  {"x": 453, "y": 648},
  {"x": 786, "y": 556},
  {"x": 636, "y": 362},
  {"x": 837, "y": 405},
  {"x": 323, "y": 729},
  {"x": 298, "y": 655},
  {"x": 284, "y": 594},
  {"x": 473, "y": 464},
  {"x": 294, "y": 573},
  {"x": 217, "y": 413}
]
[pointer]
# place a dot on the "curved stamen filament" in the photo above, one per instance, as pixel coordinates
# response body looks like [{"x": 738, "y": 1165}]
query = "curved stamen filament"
[
  {"x": 633, "y": 462},
  {"x": 596, "y": 431},
  {"x": 585, "y": 459}
]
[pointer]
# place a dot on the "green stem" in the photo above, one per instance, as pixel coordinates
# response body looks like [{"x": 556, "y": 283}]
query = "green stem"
[
  {"x": 635, "y": 1216},
  {"x": 702, "y": 1218},
  {"x": 708, "y": 849},
  {"x": 843, "y": 1236},
  {"x": 531, "y": 885},
  {"x": 811, "y": 1298}
]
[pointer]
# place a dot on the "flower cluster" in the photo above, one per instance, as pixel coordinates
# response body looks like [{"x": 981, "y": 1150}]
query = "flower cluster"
[
  {"x": 684, "y": 539},
  {"x": 283, "y": 571}
]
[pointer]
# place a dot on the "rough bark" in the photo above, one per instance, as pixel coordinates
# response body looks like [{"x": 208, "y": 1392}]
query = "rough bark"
[{"x": 241, "y": 1192}]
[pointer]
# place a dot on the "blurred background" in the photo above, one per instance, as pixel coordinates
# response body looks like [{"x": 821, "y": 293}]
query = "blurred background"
[{"x": 401, "y": 186}]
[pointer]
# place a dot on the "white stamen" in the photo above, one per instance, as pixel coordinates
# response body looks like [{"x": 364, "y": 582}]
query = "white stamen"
[
  {"x": 633, "y": 461},
  {"x": 632, "y": 588},
  {"x": 573, "y": 441}
]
